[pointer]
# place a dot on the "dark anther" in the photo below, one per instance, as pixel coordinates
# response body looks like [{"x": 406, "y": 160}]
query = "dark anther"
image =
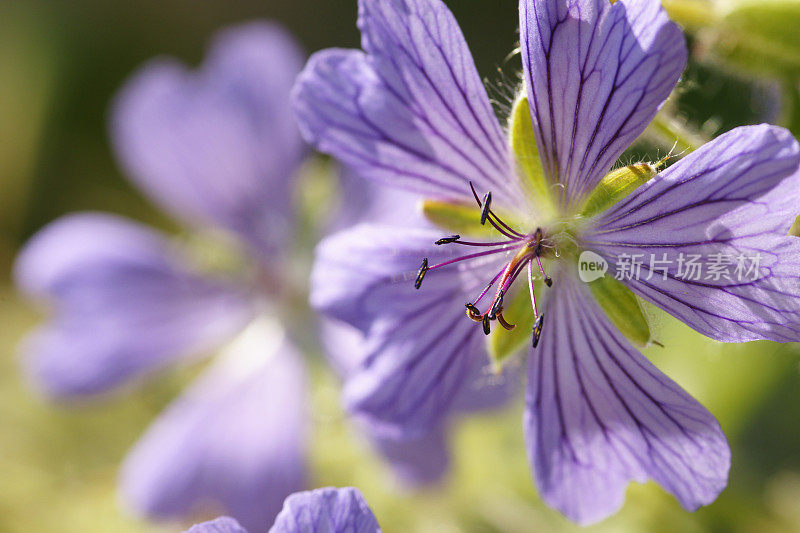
[
  {"x": 473, "y": 312},
  {"x": 548, "y": 281},
  {"x": 487, "y": 200},
  {"x": 537, "y": 329},
  {"x": 447, "y": 240},
  {"x": 497, "y": 307},
  {"x": 486, "y": 327},
  {"x": 537, "y": 239},
  {"x": 421, "y": 274}
]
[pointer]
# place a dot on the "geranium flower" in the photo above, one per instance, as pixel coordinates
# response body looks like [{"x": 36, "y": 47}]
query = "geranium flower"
[
  {"x": 329, "y": 510},
  {"x": 537, "y": 202}
]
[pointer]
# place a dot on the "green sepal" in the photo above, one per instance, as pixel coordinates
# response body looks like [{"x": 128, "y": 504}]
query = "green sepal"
[
  {"x": 622, "y": 308},
  {"x": 502, "y": 343},
  {"x": 526, "y": 153},
  {"x": 457, "y": 218},
  {"x": 462, "y": 218},
  {"x": 615, "y": 186}
]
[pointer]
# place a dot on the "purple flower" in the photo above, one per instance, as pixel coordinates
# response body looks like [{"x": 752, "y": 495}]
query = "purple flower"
[
  {"x": 328, "y": 510},
  {"x": 218, "y": 148},
  {"x": 410, "y": 111}
]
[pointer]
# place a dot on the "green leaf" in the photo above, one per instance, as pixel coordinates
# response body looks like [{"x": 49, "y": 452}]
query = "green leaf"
[
  {"x": 503, "y": 343},
  {"x": 615, "y": 186},
  {"x": 529, "y": 165},
  {"x": 622, "y": 308}
]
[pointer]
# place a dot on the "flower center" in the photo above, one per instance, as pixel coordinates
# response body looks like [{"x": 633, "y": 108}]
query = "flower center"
[{"x": 527, "y": 250}]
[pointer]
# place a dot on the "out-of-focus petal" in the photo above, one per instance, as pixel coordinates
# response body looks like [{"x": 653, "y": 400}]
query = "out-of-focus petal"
[
  {"x": 417, "y": 461},
  {"x": 420, "y": 350},
  {"x": 125, "y": 304},
  {"x": 732, "y": 200},
  {"x": 235, "y": 440},
  {"x": 596, "y": 75},
  {"x": 328, "y": 510},
  {"x": 218, "y": 146},
  {"x": 414, "y": 461},
  {"x": 411, "y": 110},
  {"x": 599, "y": 415},
  {"x": 223, "y": 524},
  {"x": 363, "y": 200}
]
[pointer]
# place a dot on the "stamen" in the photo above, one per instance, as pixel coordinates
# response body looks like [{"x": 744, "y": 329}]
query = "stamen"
[
  {"x": 494, "y": 219},
  {"x": 474, "y": 313},
  {"x": 537, "y": 330},
  {"x": 503, "y": 322},
  {"x": 530, "y": 285},
  {"x": 447, "y": 240},
  {"x": 498, "y": 306},
  {"x": 537, "y": 242},
  {"x": 487, "y": 200},
  {"x": 421, "y": 274},
  {"x": 471, "y": 256},
  {"x": 487, "y": 244},
  {"x": 525, "y": 249},
  {"x": 547, "y": 279},
  {"x": 489, "y": 286}
]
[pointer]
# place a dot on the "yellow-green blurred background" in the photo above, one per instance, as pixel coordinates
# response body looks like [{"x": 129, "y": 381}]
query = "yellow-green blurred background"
[{"x": 61, "y": 62}]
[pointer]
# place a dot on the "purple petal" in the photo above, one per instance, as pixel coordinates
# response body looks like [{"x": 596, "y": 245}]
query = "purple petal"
[
  {"x": 410, "y": 111},
  {"x": 223, "y": 524},
  {"x": 735, "y": 197},
  {"x": 125, "y": 304},
  {"x": 236, "y": 439},
  {"x": 596, "y": 75},
  {"x": 217, "y": 146},
  {"x": 420, "y": 351},
  {"x": 600, "y": 415},
  {"x": 329, "y": 510},
  {"x": 363, "y": 200}
]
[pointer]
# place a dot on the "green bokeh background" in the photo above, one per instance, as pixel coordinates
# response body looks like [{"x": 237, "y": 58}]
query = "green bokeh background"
[{"x": 60, "y": 64}]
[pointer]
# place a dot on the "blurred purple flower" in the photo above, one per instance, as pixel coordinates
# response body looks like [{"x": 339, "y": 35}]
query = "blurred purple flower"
[
  {"x": 410, "y": 111},
  {"x": 217, "y": 147},
  {"x": 328, "y": 510}
]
